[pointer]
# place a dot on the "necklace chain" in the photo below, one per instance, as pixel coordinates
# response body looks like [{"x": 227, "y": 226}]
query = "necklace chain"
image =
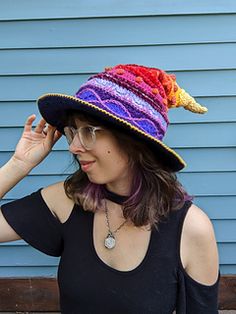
[
  {"x": 110, "y": 240},
  {"x": 108, "y": 224}
]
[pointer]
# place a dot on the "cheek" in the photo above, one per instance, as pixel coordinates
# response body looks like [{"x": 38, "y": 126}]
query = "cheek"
[
  {"x": 116, "y": 160},
  {"x": 111, "y": 159},
  {"x": 111, "y": 165}
]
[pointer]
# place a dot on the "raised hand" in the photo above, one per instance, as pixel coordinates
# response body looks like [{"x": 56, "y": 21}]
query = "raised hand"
[{"x": 36, "y": 144}]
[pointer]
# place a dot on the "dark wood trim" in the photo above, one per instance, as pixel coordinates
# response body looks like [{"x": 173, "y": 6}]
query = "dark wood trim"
[
  {"x": 227, "y": 292},
  {"x": 29, "y": 294},
  {"x": 42, "y": 294}
]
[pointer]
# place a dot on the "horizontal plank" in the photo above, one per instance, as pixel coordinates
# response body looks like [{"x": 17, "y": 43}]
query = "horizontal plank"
[
  {"x": 63, "y": 164},
  {"x": 201, "y": 135},
  {"x": 16, "y": 243},
  {"x": 25, "y": 256},
  {"x": 27, "y": 9},
  {"x": 216, "y": 207},
  {"x": 197, "y": 159},
  {"x": 197, "y": 83},
  {"x": 32, "y": 183},
  {"x": 205, "y": 184},
  {"x": 110, "y": 32},
  {"x": 225, "y": 228},
  {"x": 203, "y": 159},
  {"x": 66, "y": 61},
  {"x": 225, "y": 232},
  {"x": 19, "y": 272},
  {"x": 21, "y": 254},
  {"x": 8, "y": 118},
  {"x": 65, "y": 84},
  {"x": 227, "y": 252},
  {"x": 220, "y": 109},
  {"x": 205, "y": 83},
  {"x": 198, "y": 184},
  {"x": 26, "y": 259},
  {"x": 228, "y": 269},
  {"x": 13, "y": 135},
  {"x": 178, "y": 136}
]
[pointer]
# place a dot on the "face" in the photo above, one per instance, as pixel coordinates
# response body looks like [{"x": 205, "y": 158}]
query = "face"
[{"x": 105, "y": 163}]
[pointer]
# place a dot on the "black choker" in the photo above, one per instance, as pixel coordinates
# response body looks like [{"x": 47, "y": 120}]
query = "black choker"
[{"x": 116, "y": 198}]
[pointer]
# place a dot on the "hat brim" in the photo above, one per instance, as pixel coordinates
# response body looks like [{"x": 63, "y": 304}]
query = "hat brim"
[{"x": 53, "y": 107}]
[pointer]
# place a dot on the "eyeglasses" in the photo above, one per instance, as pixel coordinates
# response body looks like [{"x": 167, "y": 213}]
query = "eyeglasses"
[{"x": 87, "y": 135}]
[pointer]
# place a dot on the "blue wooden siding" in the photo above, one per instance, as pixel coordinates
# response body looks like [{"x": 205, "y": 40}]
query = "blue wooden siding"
[{"x": 54, "y": 47}]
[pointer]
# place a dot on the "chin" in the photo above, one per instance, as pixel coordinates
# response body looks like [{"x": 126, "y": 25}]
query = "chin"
[{"x": 96, "y": 180}]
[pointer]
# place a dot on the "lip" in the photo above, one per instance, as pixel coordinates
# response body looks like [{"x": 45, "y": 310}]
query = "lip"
[
  {"x": 85, "y": 165},
  {"x": 85, "y": 162}
]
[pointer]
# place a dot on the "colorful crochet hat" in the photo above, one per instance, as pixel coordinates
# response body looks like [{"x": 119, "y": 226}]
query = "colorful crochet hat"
[{"x": 134, "y": 98}]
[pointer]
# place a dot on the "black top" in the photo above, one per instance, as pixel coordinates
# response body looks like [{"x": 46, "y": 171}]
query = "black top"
[{"x": 89, "y": 286}]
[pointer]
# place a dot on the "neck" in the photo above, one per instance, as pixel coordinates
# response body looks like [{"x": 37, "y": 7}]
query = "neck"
[
  {"x": 119, "y": 190},
  {"x": 117, "y": 198}
]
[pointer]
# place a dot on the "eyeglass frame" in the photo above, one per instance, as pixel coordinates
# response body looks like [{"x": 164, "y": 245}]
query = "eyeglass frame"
[{"x": 78, "y": 132}]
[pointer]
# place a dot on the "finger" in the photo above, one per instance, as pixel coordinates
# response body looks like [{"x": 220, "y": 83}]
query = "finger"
[
  {"x": 53, "y": 136},
  {"x": 40, "y": 126},
  {"x": 28, "y": 123},
  {"x": 56, "y": 137}
]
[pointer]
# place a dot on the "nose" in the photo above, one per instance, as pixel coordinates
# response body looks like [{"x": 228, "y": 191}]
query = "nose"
[{"x": 76, "y": 146}]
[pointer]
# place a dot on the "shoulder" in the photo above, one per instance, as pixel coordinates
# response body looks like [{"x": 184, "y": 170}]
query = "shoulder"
[
  {"x": 58, "y": 202},
  {"x": 197, "y": 224},
  {"x": 200, "y": 247}
]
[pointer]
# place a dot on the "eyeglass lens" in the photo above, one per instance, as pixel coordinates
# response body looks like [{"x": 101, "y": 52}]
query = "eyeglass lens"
[{"x": 86, "y": 135}]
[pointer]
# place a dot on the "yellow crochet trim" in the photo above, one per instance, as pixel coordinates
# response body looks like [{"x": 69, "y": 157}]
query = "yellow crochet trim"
[
  {"x": 183, "y": 99},
  {"x": 120, "y": 120}
]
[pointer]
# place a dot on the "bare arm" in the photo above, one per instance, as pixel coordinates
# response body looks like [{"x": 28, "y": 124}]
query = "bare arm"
[
  {"x": 201, "y": 253},
  {"x": 31, "y": 149},
  {"x": 10, "y": 174}
]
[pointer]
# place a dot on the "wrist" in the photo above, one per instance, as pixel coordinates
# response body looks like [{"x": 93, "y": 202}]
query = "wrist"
[
  {"x": 21, "y": 167},
  {"x": 11, "y": 173}
]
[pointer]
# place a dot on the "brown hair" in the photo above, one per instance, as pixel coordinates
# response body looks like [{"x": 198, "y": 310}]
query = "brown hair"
[{"x": 155, "y": 190}]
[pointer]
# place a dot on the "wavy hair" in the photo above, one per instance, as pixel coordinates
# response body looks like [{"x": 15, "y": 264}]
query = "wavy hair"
[{"x": 155, "y": 190}]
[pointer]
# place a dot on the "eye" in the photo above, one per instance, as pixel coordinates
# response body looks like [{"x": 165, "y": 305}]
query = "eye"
[
  {"x": 87, "y": 132},
  {"x": 69, "y": 134},
  {"x": 90, "y": 128}
]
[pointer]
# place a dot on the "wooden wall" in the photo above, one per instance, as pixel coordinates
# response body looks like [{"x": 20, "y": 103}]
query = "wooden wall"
[{"x": 53, "y": 46}]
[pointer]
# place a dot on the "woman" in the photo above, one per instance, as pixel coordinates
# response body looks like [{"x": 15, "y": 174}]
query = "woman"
[{"x": 129, "y": 236}]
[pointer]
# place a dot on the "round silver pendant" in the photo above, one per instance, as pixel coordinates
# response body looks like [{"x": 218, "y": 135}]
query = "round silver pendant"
[{"x": 110, "y": 241}]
